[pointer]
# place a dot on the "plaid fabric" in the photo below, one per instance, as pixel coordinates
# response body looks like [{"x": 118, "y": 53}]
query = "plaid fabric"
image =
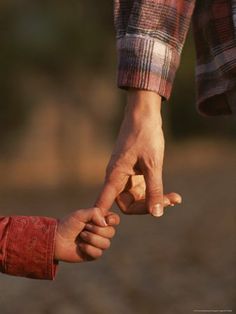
[
  {"x": 214, "y": 31},
  {"x": 150, "y": 38}
]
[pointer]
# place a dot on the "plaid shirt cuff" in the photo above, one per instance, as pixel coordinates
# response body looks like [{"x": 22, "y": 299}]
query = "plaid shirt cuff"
[{"x": 148, "y": 64}]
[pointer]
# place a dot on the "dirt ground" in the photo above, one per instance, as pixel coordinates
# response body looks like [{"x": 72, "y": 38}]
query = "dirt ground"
[{"x": 182, "y": 263}]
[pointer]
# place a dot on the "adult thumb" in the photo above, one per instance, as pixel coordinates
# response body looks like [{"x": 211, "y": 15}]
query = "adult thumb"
[{"x": 154, "y": 192}]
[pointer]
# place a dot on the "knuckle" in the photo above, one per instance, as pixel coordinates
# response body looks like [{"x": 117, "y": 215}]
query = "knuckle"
[
  {"x": 96, "y": 212},
  {"x": 155, "y": 193},
  {"x": 150, "y": 162},
  {"x": 155, "y": 190}
]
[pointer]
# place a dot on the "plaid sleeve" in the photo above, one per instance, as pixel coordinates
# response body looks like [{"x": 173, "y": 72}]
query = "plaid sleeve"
[
  {"x": 150, "y": 36},
  {"x": 214, "y": 25}
]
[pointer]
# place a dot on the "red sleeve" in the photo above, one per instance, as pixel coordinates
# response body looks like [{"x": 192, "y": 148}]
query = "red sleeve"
[{"x": 27, "y": 246}]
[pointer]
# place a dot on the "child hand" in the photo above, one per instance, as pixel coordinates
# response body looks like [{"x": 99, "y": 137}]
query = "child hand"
[
  {"x": 84, "y": 235},
  {"x": 132, "y": 200}
]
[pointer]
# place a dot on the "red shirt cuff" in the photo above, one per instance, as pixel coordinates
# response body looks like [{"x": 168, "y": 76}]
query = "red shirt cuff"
[{"x": 29, "y": 250}]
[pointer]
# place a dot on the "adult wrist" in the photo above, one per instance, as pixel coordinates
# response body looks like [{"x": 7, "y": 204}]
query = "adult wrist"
[{"x": 143, "y": 103}]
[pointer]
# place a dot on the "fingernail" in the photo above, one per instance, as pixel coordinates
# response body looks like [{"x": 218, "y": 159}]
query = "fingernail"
[
  {"x": 111, "y": 220},
  {"x": 172, "y": 205},
  {"x": 103, "y": 222},
  {"x": 157, "y": 210}
]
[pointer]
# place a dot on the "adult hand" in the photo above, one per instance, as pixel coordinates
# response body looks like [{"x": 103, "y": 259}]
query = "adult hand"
[
  {"x": 84, "y": 235},
  {"x": 139, "y": 150},
  {"x": 132, "y": 200}
]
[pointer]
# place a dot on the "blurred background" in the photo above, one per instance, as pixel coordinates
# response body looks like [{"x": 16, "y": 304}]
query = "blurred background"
[{"x": 59, "y": 116}]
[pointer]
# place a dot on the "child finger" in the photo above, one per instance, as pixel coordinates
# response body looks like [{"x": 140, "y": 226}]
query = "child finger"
[
  {"x": 112, "y": 219},
  {"x": 90, "y": 250},
  {"x": 95, "y": 240},
  {"x": 106, "y": 232}
]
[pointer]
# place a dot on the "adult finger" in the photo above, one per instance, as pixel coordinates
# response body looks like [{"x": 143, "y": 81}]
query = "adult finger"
[
  {"x": 130, "y": 206},
  {"x": 174, "y": 198},
  {"x": 125, "y": 200},
  {"x": 114, "y": 184},
  {"x": 154, "y": 191}
]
